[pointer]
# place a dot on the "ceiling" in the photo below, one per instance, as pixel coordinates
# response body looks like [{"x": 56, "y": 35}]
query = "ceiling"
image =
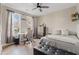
[{"x": 27, "y": 7}]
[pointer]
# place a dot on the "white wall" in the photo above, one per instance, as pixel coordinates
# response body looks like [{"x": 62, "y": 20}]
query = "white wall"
[
  {"x": 0, "y": 23},
  {"x": 26, "y": 22},
  {"x": 59, "y": 20},
  {"x": 4, "y": 20}
]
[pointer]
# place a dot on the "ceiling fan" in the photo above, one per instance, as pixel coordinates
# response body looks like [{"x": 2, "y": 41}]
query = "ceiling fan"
[{"x": 39, "y": 6}]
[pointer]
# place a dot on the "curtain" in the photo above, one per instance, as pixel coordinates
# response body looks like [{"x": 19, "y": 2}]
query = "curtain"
[{"x": 9, "y": 27}]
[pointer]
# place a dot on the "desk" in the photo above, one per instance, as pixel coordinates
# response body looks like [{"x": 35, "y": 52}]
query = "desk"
[{"x": 16, "y": 41}]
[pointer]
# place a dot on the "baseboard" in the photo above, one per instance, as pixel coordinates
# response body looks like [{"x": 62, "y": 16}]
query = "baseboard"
[{"x": 6, "y": 45}]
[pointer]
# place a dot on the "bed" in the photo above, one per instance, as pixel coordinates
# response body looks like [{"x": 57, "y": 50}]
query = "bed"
[{"x": 69, "y": 43}]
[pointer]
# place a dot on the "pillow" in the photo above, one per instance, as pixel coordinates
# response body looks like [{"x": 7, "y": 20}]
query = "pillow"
[
  {"x": 57, "y": 32},
  {"x": 72, "y": 33},
  {"x": 65, "y": 32}
]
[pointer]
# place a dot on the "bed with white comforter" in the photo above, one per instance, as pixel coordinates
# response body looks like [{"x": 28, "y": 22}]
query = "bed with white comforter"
[{"x": 69, "y": 43}]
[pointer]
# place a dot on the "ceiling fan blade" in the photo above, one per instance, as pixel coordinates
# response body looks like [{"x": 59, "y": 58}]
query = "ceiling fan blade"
[
  {"x": 34, "y": 8},
  {"x": 44, "y": 6}
]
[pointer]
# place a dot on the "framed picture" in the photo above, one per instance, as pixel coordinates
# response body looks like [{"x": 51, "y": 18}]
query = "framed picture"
[{"x": 75, "y": 16}]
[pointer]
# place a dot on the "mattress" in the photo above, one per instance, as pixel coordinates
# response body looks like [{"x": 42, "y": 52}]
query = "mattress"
[
  {"x": 70, "y": 39},
  {"x": 69, "y": 43}
]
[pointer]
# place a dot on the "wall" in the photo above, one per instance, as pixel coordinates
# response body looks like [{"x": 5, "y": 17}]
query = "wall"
[
  {"x": 26, "y": 22},
  {"x": 4, "y": 20},
  {"x": 0, "y": 30},
  {"x": 59, "y": 20},
  {"x": 0, "y": 23}
]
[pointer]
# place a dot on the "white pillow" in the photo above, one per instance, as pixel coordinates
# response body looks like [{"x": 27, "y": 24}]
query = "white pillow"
[
  {"x": 57, "y": 32},
  {"x": 64, "y": 32}
]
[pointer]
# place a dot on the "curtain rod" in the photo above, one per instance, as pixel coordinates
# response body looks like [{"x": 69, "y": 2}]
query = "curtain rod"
[
  {"x": 10, "y": 10},
  {"x": 15, "y": 12}
]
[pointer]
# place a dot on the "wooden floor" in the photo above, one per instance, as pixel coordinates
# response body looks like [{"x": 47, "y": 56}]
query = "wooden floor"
[{"x": 18, "y": 50}]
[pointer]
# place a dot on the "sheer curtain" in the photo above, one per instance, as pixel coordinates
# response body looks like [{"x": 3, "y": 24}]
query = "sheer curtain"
[{"x": 16, "y": 24}]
